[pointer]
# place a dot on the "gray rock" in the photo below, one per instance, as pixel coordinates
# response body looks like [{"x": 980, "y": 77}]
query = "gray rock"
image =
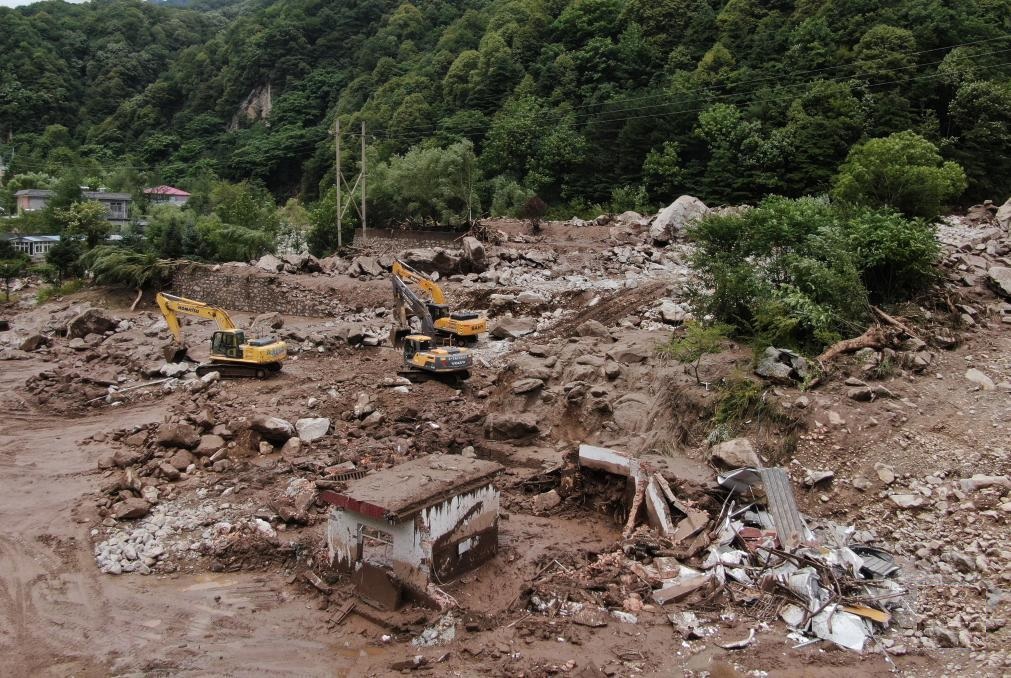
[
  {"x": 273, "y": 428},
  {"x": 181, "y": 460},
  {"x": 124, "y": 458},
  {"x": 979, "y": 379},
  {"x": 1004, "y": 215},
  {"x": 474, "y": 252},
  {"x": 268, "y": 262},
  {"x": 592, "y": 328},
  {"x": 92, "y": 321},
  {"x": 367, "y": 266},
  {"x": 511, "y": 426},
  {"x": 131, "y": 509},
  {"x": 433, "y": 260},
  {"x": 209, "y": 444},
  {"x": 999, "y": 278},
  {"x": 178, "y": 435},
  {"x": 271, "y": 320},
  {"x": 674, "y": 218},
  {"x": 521, "y": 386},
  {"x": 546, "y": 501},
  {"x": 312, "y": 428},
  {"x": 736, "y": 453},
  {"x": 906, "y": 500},
  {"x": 531, "y": 297},
  {"x": 168, "y": 471},
  {"x": 34, "y": 342},
  {"x": 672, "y": 313},
  {"x": 512, "y": 328},
  {"x": 781, "y": 365}
]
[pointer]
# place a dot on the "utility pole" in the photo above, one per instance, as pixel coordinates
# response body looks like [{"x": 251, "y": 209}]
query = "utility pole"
[
  {"x": 364, "y": 238},
  {"x": 337, "y": 171}
]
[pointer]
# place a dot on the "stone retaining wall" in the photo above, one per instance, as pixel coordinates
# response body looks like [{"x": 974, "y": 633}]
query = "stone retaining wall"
[{"x": 251, "y": 290}]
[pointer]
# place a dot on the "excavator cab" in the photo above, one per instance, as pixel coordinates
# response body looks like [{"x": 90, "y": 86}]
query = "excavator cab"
[
  {"x": 414, "y": 344},
  {"x": 438, "y": 311},
  {"x": 228, "y": 343}
]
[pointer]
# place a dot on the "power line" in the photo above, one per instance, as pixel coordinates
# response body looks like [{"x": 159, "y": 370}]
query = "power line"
[
  {"x": 483, "y": 100},
  {"x": 585, "y": 117}
]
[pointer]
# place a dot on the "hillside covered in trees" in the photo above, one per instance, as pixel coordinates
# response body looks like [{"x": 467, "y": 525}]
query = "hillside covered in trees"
[{"x": 617, "y": 103}]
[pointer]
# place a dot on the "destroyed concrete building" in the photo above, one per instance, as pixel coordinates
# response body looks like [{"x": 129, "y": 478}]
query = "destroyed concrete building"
[{"x": 401, "y": 530}]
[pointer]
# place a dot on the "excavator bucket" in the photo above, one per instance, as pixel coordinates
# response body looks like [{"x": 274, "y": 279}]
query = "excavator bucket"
[
  {"x": 397, "y": 336},
  {"x": 174, "y": 353}
]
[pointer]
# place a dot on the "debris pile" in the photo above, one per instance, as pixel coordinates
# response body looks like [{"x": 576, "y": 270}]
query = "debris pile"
[{"x": 745, "y": 543}]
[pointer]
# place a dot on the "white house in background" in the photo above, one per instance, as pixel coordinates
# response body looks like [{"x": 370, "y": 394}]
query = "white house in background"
[
  {"x": 167, "y": 195},
  {"x": 35, "y": 246},
  {"x": 116, "y": 204}
]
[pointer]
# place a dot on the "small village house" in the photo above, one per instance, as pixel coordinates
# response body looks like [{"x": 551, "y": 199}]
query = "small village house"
[
  {"x": 116, "y": 204},
  {"x": 401, "y": 530},
  {"x": 167, "y": 195},
  {"x": 34, "y": 246}
]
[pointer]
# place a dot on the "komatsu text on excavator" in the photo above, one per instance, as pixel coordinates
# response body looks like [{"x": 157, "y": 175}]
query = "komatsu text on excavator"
[{"x": 232, "y": 355}]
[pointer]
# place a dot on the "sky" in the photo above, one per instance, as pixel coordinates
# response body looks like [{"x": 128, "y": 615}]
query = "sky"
[{"x": 15, "y": 3}]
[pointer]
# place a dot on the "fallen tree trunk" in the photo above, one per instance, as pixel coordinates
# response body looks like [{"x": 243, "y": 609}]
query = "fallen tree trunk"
[{"x": 874, "y": 338}]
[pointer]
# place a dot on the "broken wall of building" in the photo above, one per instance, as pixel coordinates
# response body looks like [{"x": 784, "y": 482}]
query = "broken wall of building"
[
  {"x": 461, "y": 532},
  {"x": 456, "y": 534}
]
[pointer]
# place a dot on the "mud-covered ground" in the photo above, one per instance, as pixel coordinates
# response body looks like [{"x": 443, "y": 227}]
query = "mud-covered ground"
[{"x": 226, "y": 591}]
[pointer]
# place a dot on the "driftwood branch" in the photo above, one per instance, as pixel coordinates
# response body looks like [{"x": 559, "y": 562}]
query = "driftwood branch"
[
  {"x": 874, "y": 338},
  {"x": 893, "y": 322}
]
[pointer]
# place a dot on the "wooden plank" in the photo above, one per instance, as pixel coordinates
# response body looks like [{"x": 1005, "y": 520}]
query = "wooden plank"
[{"x": 783, "y": 507}]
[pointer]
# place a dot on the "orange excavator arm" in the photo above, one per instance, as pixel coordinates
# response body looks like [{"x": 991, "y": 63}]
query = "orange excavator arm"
[
  {"x": 408, "y": 274},
  {"x": 172, "y": 307}
]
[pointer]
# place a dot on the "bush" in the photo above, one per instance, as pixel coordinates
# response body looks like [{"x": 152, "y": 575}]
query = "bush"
[
  {"x": 507, "y": 197},
  {"x": 781, "y": 272},
  {"x": 61, "y": 290},
  {"x": 800, "y": 273},
  {"x": 896, "y": 256},
  {"x": 697, "y": 341},
  {"x": 902, "y": 170}
]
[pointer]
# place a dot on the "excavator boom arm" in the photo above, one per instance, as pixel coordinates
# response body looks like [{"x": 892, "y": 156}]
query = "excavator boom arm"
[
  {"x": 172, "y": 307},
  {"x": 408, "y": 274},
  {"x": 406, "y": 297}
]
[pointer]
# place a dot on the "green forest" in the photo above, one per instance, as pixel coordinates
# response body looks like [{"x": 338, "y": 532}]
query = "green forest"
[{"x": 473, "y": 107}]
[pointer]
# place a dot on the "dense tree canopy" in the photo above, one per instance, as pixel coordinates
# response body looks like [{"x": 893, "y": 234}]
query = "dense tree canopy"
[{"x": 581, "y": 102}]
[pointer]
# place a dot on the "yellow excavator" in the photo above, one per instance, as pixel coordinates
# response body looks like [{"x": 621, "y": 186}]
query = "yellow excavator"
[
  {"x": 433, "y": 313},
  {"x": 231, "y": 354},
  {"x": 421, "y": 356}
]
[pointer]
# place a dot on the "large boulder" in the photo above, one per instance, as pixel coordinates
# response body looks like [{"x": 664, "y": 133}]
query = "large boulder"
[
  {"x": 270, "y": 320},
  {"x": 433, "y": 260},
  {"x": 781, "y": 365},
  {"x": 178, "y": 435},
  {"x": 34, "y": 342},
  {"x": 511, "y": 426},
  {"x": 999, "y": 278},
  {"x": 312, "y": 428},
  {"x": 593, "y": 328},
  {"x": 365, "y": 265},
  {"x": 130, "y": 508},
  {"x": 474, "y": 253},
  {"x": 209, "y": 444},
  {"x": 92, "y": 321},
  {"x": 736, "y": 453},
  {"x": 274, "y": 429},
  {"x": 509, "y": 327},
  {"x": 268, "y": 262},
  {"x": 675, "y": 217},
  {"x": 1004, "y": 215}
]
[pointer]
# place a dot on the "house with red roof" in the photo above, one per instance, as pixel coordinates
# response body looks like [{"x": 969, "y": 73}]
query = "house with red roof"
[{"x": 167, "y": 195}]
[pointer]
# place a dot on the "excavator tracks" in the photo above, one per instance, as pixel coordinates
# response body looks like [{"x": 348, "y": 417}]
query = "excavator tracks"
[{"x": 238, "y": 370}]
